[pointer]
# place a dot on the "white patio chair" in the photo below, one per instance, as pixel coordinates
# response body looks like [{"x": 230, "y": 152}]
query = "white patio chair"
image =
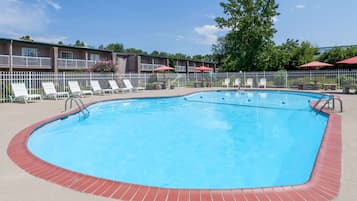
[
  {"x": 129, "y": 86},
  {"x": 76, "y": 90},
  {"x": 97, "y": 89},
  {"x": 249, "y": 82},
  {"x": 50, "y": 91},
  {"x": 226, "y": 82},
  {"x": 236, "y": 83},
  {"x": 262, "y": 83},
  {"x": 113, "y": 84},
  {"x": 20, "y": 92}
]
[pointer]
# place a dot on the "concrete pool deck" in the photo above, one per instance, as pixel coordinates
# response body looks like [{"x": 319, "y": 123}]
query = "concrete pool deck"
[{"x": 16, "y": 184}]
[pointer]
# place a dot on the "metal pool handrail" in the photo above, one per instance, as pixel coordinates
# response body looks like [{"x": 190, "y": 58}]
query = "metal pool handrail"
[{"x": 82, "y": 107}]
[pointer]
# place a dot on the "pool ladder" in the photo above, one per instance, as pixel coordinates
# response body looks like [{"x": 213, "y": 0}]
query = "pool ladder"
[
  {"x": 332, "y": 100},
  {"x": 80, "y": 105}
]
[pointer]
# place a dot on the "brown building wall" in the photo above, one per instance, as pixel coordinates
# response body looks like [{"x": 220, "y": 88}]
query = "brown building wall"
[
  {"x": 43, "y": 51},
  {"x": 4, "y": 49},
  {"x": 77, "y": 54}
]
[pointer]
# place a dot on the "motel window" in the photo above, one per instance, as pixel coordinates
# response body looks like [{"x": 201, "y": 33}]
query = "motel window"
[
  {"x": 29, "y": 52},
  {"x": 66, "y": 55},
  {"x": 94, "y": 57}
]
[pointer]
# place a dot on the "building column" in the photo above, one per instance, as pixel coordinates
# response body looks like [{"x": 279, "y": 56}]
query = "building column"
[
  {"x": 167, "y": 62},
  {"x": 139, "y": 63},
  {"x": 187, "y": 65},
  {"x": 86, "y": 58},
  {"x": 11, "y": 62},
  {"x": 114, "y": 58},
  {"x": 55, "y": 59}
]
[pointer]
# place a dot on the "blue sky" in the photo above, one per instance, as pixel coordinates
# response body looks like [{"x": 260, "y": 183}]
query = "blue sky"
[{"x": 184, "y": 26}]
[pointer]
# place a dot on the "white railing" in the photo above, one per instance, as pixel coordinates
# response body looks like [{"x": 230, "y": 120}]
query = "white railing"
[
  {"x": 180, "y": 68},
  {"x": 279, "y": 79},
  {"x": 91, "y": 63},
  {"x": 4, "y": 60},
  {"x": 149, "y": 67},
  {"x": 72, "y": 64},
  {"x": 33, "y": 62},
  {"x": 192, "y": 69}
]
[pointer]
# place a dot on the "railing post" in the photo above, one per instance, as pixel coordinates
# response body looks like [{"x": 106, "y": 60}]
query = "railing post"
[
  {"x": 338, "y": 79},
  {"x": 64, "y": 80},
  {"x": 286, "y": 79}
]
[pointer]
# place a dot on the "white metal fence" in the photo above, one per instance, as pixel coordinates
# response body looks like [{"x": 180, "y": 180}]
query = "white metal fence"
[{"x": 279, "y": 79}]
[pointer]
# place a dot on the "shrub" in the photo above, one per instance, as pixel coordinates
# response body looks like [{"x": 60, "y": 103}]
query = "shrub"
[{"x": 104, "y": 67}]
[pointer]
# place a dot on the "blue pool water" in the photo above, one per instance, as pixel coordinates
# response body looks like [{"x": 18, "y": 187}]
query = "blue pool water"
[{"x": 212, "y": 140}]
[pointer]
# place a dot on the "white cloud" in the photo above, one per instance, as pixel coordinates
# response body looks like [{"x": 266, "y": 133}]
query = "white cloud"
[
  {"x": 300, "y": 6},
  {"x": 19, "y": 17},
  {"x": 211, "y": 16},
  {"x": 275, "y": 19},
  {"x": 54, "y": 5},
  {"x": 180, "y": 37},
  {"x": 208, "y": 33},
  {"x": 49, "y": 39}
]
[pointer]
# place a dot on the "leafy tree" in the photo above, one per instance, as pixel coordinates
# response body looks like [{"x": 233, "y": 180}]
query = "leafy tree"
[
  {"x": 26, "y": 37},
  {"x": 136, "y": 51},
  {"x": 251, "y": 31},
  {"x": 338, "y": 54},
  {"x": 60, "y": 43},
  {"x": 116, "y": 47},
  {"x": 79, "y": 44},
  {"x": 219, "y": 50}
]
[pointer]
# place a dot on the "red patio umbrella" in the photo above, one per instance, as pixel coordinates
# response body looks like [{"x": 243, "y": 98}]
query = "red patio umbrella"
[
  {"x": 204, "y": 69},
  {"x": 352, "y": 60},
  {"x": 163, "y": 69},
  {"x": 315, "y": 65}
]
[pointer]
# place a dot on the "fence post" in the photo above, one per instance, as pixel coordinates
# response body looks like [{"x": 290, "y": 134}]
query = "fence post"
[
  {"x": 286, "y": 79},
  {"x": 64, "y": 81},
  {"x": 145, "y": 80},
  {"x": 338, "y": 79}
]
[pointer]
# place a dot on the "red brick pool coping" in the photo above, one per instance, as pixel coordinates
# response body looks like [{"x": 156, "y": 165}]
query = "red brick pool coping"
[{"x": 323, "y": 185}]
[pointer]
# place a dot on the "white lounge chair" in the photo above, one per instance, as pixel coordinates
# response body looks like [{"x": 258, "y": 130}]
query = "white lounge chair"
[
  {"x": 97, "y": 89},
  {"x": 249, "y": 82},
  {"x": 113, "y": 84},
  {"x": 262, "y": 83},
  {"x": 129, "y": 86},
  {"x": 76, "y": 90},
  {"x": 50, "y": 91},
  {"x": 226, "y": 82},
  {"x": 236, "y": 83},
  {"x": 20, "y": 92}
]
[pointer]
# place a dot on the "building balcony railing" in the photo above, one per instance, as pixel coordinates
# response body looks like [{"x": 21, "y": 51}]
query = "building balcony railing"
[
  {"x": 149, "y": 67},
  {"x": 192, "y": 69},
  {"x": 74, "y": 63},
  {"x": 180, "y": 68},
  {"x": 33, "y": 62},
  {"x": 4, "y": 60}
]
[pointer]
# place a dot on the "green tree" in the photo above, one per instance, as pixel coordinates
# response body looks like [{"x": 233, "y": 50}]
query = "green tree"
[
  {"x": 135, "y": 51},
  {"x": 338, "y": 54},
  {"x": 116, "y": 47},
  {"x": 60, "y": 43},
  {"x": 26, "y": 37},
  {"x": 219, "y": 50},
  {"x": 251, "y": 25},
  {"x": 79, "y": 44}
]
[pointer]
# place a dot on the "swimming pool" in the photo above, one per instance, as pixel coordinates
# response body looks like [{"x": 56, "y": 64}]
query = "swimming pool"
[{"x": 211, "y": 140}]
